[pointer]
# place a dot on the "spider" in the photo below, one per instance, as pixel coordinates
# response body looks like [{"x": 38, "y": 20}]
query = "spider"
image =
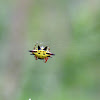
[{"x": 41, "y": 52}]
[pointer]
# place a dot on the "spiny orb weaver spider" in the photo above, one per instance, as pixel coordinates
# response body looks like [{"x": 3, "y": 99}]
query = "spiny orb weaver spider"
[{"x": 41, "y": 52}]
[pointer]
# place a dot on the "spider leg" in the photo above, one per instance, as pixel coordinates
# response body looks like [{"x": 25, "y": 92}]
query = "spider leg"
[
  {"x": 49, "y": 49},
  {"x": 35, "y": 46},
  {"x": 36, "y": 57},
  {"x": 46, "y": 59}
]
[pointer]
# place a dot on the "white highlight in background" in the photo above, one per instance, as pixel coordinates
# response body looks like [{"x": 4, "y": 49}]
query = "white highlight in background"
[{"x": 29, "y": 98}]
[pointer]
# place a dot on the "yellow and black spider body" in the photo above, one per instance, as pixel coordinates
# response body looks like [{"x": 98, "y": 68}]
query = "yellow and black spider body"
[{"x": 41, "y": 52}]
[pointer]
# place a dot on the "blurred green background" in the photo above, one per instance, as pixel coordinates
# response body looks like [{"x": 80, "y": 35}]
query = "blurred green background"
[{"x": 71, "y": 28}]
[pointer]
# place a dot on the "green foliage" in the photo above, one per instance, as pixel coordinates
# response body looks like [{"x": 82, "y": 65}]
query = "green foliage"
[{"x": 72, "y": 31}]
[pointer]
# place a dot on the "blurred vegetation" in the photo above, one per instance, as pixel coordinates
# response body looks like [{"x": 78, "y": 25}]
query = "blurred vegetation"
[{"x": 72, "y": 31}]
